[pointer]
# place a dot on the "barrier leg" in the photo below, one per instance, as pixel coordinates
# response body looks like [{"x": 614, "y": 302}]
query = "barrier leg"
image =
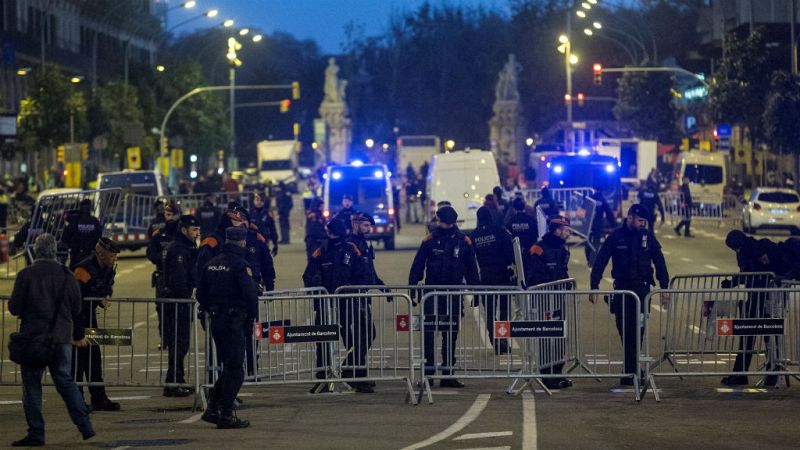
[{"x": 410, "y": 397}]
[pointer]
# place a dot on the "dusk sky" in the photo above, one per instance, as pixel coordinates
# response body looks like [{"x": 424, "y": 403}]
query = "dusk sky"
[{"x": 320, "y": 20}]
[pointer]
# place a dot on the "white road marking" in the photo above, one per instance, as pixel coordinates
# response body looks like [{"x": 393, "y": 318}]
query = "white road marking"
[
  {"x": 658, "y": 308},
  {"x": 472, "y": 413},
  {"x": 665, "y": 252},
  {"x": 484, "y": 435},
  {"x": 685, "y": 259},
  {"x": 712, "y": 267},
  {"x": 126, "y": 271},
  {"x": 192, "y": 419},
  {"x": 140, "y": 266},
  {"x": 669, "y": 237},
  {"x": 745, "y": 390},
  {"x": 502, "y": 447},
  {"x": 132, "y": 397},
  {"x": 608, "y": 280},
  {"x": 694, "y": 329},
  {"x": 529, "y": 438}
]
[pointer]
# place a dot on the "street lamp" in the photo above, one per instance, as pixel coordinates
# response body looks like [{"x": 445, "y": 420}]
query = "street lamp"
[
  {"x": 257, "y": 38},
  {"x": 529, "y": 142},
  {"x": 228, "y": 23},
  {"x": 160, "y": 68},
  {"x": 244, "y": 31},
  {"x": 212, "y": 13},
  {"x": 597, "y": 25},
  {"x": 369, "y": 143},
  {"x": 450, "y": 144},
  {"x": 588, "y": 31},
  {"x": 76, "y": 79},
  {"x": 580, "y": 14},
  {"x": 22, "y": 71},
  {"x": 569, "y": 60},
  {"x": 190, "y": 4},
  {"x": 586, "y": 6}
]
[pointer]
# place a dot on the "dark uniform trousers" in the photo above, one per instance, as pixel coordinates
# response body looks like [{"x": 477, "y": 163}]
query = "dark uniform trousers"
[
  {"x": 87, "y": 363},
  {"x": 323, "y": 315},
  {"x": 445, "y": 312},
  {"x": 228, "y": 327},
  {"x": 497, "y": 307},
  {"x": 624, "y": 309},
  {"x": 756, "y": 307},
  {"x": 358, "y": 333},
  {"x": 176, "y": 321}
]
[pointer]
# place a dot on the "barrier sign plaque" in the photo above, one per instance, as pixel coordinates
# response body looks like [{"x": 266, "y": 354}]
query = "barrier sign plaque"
[{"x": 750, "y": 327}]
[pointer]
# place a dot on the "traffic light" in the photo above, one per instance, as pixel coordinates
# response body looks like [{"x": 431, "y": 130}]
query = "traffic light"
[
  {"x": 285, "y": 104},
  {"x": 598, "y": 74},
  {"x": 164, "y": 146},
  {"x": 581, "y": 99},
  {"x": 567, "y": 99},
  {"x": 295, "y": 90},
  {"x": 233, "y": 47}
]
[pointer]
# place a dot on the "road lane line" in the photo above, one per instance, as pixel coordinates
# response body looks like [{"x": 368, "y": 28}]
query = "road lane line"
[
  {"x": 608, "y": 280},
  {"x": 472, "y": 413},
  {"x": 685, "y": 259},
  {"x": 484, "y": 435},
  {"x": 529, "y": 438},
  {"x": 192, "y": 419},
  {"x": 502, "y": 447},
  {"x": 665, "y": 252},
  {"x": 712, "y": 267}
]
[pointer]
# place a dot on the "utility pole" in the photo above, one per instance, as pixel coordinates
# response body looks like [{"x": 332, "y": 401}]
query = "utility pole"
[{"x": 793, "y": 47}]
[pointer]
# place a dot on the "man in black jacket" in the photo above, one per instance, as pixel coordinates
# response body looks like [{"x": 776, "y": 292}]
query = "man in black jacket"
[
  {"x": 315, "y": 228},
  {"x": 285, "y": 205},
  {"x": 227, "y": 291},
  {"x": 603, "y": 216},
  {"x": 633, "y": 251},
  {"x": 180, "y": 279},
  {"x": 208, "y": 215},
  {"x": 650, "y": 200},
  {"x": 81, "y": 233},
  {"x": 549, "y": 261},
  {"x": 445, "y": 257},
  {"x": 495, "y": 253},
  {"x": 548, "y": 204},
  {"x": 261, "y": 217},
  {"x": 47, "y": 298},
  {"x": 96, "y": 277},
  {"x": 686, "y": 208}
]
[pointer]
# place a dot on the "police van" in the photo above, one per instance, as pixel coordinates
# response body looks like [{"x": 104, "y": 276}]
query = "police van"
[
  {"x": 369, "y": 187},
  {"x": 599, "y": 172},
  {"x": 139, "y": 188}
]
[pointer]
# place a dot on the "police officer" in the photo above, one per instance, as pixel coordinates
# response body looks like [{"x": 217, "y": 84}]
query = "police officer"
[
  {"x": 227, "y": 291},
  {"x": 180, "y": 279},
  {"x": 355, "y": 315},
  {"x": 261, "y": 217},
  {"x": 285, "y": 205},
  {"x": 334, "y": 264},
  {"x": 95, "y": 275},
  {"x": 446, "y": 257},
  {"x": 549, "y": 261},
  {"x": 522, "y": 225},
  {"x": 81, "y": 234},
  {"x": 159, "y": 219},
  {"x": 686, "y": 207},
  {"x": 649, "y": 199},
  {"x": 156, "y": 251},
  {"x": 633, "y": 251},
  {"x": 495, "y": 253},
  {"x": 752, "y": 255},
  {"x": 603, "y": 215},
  {"x": 433, "y": 224},
  {"x": 208, "y": 215},
  {"x": 548, "y": 204},
  {"x": 344, "y": 214},
  {"x": 315, "y": 228}
]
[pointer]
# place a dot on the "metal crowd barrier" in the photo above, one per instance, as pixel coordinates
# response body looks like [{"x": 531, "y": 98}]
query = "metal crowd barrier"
[
  {"x": 561, "y": 195},
  {"x": 727, "y": 332},
  {"x": 525, "y": 349},
  {"x": 705, "y": 208},
  {"x": 131, "y": 342},
  {"x": 721, "y": 280},
  {"x": 333, "y": 340}
]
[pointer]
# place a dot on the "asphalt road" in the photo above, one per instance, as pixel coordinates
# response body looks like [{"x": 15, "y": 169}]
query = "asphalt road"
[{"x": 693, "y": 412}]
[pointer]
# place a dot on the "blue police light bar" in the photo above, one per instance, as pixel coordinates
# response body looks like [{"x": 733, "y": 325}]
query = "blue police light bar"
[
  {"x": 337, "y": 175},
  {"x": 357, "y": 163},
  {"x": 378, "y": 174},
  {"x": 610, "y": 168},
  {"x": 584, "y": 152},
  {"x": 558, "y": 169}
]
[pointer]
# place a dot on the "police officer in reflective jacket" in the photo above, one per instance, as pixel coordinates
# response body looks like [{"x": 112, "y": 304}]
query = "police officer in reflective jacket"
[
  {"x": 495, "y": 254},
  {"x": 355, "y": 315},
  {"x": 95, "y": 275},
  {"x": 446, "y": 257},
  {"x": 334, "y": 264},
  {"x": 549, "y": 261},
  {"x": 180, "y": 279},
  {"x": 227, "y": 292},
  {"x": 634, "y": 251},
  {"x": 81, "y": 234}
]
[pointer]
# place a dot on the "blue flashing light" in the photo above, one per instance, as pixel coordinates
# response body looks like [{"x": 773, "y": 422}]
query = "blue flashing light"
[
  {"x": 584, "y": 152},
  {"x": 378, "y": 174},
  {"x": 324, "y": 176},
  {"x": 337, "y": 175},
  {"x": 610, "y": 168},
  {"x": 558, "y": 169},
  {"x": 357, "y": 163}
]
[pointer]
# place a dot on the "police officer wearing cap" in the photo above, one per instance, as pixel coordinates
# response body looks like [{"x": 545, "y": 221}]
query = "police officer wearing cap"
[
  {"x": 261, "y": 216},
  {"x": 158, "y": 242},
  {"x": 315, "y": 228},
  {"x": 180, "y": 279},
  {"x": 495, "y": 254},
  {"x": 159, "y": 220},
  {"x": 549, "y": 261},
  {"x": 227, "y": 292},
  {"x": 355, "y": 315},
  {"x": 334, "y": 264},
  {"x": 634, "y": 251},
  {"x": 445, "y": 257},
  {"x": 345, "y": 214},
  {"x": 95, "y": 276},
  {"x": 81, "y": 234}
]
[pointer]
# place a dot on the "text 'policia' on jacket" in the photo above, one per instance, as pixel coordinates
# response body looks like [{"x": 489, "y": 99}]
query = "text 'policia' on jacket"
[
  {"x": 446, "y": 257},
  {"x": 226, "y": 281}
]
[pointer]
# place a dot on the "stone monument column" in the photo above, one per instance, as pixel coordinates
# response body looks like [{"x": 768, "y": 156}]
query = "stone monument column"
[
  {"x": 333, "y": 111},
  {"x": 507, "y": 126}
]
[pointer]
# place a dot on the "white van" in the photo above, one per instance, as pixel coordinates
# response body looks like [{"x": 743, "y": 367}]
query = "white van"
[
  {"x": 463, "y": 178},
  {"x": 707, "y": 173}
]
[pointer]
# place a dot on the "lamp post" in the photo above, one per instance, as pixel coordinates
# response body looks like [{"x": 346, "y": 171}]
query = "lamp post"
[{"x": 233, "y": 47}]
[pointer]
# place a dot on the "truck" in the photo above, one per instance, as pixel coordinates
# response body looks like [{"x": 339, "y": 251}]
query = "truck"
[
  {"x": 636, "y": 157},
  {"x": 277, "y": 162},
  {"x": 416, "y": 150}
]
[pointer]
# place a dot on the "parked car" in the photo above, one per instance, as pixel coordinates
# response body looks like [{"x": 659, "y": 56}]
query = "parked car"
[{"x": 772, "y": 209}]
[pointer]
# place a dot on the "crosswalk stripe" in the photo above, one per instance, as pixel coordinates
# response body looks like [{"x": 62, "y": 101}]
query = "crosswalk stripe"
[{"x": 492, "y": 434}]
